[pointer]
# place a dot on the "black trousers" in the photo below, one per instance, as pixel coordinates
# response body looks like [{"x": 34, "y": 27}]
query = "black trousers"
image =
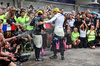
[
  {"x": 61, "y": 48},
  {"x": 4, "y": 63},
  {"x": 37, "y": 52},
  {"x": 83, "y": 43},
  {"x": 44, "y": 40},
  {"x": 92, "y": 43}
]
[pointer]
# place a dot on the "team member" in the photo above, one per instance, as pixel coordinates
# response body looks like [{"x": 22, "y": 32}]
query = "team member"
[
  {"x": 22, "y": 20},
  {"x": 95, "y": 20},
  {"x": 58, "y": 31},
  {"x": 4, "y": 61},
  {"x": 37, "y": 38},
  {"x": 91, "y": 34},
  {"x": 68, "y": 39},
  {"x": 75, "y": 38},
  {"x": 83, "y": 28}
]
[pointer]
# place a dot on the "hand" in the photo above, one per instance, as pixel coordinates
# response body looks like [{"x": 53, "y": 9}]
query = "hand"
[
  {"x": 18, "y": 47},
  {"x": 2, "y": 49},
  {"x": 27, "y": 7},
  {"x": 95, "y": 29},
  {"x": 10, "y": 55},
  {"x": 13, "y": 59},
  {"x": 50, "y": 5},
  {"x": 90, "y": 30},
  {"x": 83, "y": 21},
  {"x": 19, "y": 30},
  {"x": 40, "y": 23},
  {"x": 87, "y": 18},
  {"x": 15, "y": 6},
  {"x": 22, "y": 27},
  {"x": 14, "y": 45},
  {"x": 26, "y": 39},
  {"x": 89, "y": 24},
  {"x": 6, "y": 59},
  {"x": 13, "y": 37}
]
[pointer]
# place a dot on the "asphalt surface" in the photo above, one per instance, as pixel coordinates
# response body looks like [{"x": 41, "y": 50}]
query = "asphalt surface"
[{"x": 73, "y": 57}]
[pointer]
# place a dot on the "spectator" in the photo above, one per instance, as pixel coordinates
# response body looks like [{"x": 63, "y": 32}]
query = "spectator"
[
  {"x": 91, "y": 34},
  {"x": 78, "y": 21},
  {"x": 62, "y": 11},
  {"x": 73, "y": 14},
  {"x": 71, "y": 22},
  {"x": 83, "y": 28},
  {"x": 4, "y": 60},
  {"x": 75, "y": 38},
  {"x": 68, "y": 39}
]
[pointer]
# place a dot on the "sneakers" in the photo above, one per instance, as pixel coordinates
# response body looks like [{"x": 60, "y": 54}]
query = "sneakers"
[
  {"x": 38, "y": 59},
  {"x": 53, "y": 57},
  {"x": 62, "y": 58}
]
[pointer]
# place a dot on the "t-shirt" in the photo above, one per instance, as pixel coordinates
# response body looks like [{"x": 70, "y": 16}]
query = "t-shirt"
[
  {"x": 10, "y": 21},
  {"x": 94, "y": 20},
  {"x": 71, "y": 22},
  {"x": 83, "y": 33},
  {"x": 77, "y": 23},
  {"x": 68, "y": 36}
]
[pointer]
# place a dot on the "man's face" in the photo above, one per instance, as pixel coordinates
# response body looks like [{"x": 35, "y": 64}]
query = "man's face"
[
  {"x": 23, "y": 13},
  {"x": 75, "y": 30},
  {"x": 78, "y": 16},
  {"x": 92, "y": 27},
  {"x": 83, "y": 16},
  {"x": 55, "y": 12},
  {"x": 44, "y": 15},
  {"x": 93, "y": 15},
  {"x": 7, "y": 45},
  {"x": 0, "y": 21},
  {"x": 73, "y": 12},
  {"x": 62, "y": 10}
]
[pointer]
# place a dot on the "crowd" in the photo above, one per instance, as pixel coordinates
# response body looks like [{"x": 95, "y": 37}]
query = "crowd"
[{"x": 81, "y": 30}]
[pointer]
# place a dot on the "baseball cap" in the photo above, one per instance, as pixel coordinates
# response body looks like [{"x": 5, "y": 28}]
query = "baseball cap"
[
  {"x": 56, "y": 9},
  {"x": 93, "y": 12},
  {"x": 40, "y": 12}
]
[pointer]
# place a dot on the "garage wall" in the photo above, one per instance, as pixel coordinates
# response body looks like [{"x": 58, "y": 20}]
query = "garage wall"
[
  {"x": 7, "y": 1},
  {"x": 83, "y": 9},
  {"x": 67, "y": 7}
]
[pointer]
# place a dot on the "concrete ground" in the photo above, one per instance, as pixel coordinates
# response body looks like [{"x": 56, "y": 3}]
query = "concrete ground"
[{"x": 73, "y": 57}]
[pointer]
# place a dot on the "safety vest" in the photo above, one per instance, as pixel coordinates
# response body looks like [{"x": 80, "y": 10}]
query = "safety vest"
[
  {"x": 3, "y": 18},
  {"x": 29, "y": 27},
  {"x": 74, "y": 36},
  {"x": 91, "y": 37}
]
